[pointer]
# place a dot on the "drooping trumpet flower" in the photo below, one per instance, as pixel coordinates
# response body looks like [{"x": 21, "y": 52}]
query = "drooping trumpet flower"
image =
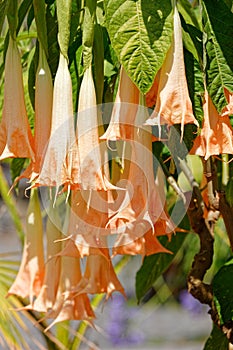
[
  {"x": 48, "y": 293},
  {"x": 216, "y": 136},
  {"x": 15, "y": 134},
  {"x": 99, "y": 276},
  {"x": 70, "y": 306},
  {"x": 61, "y": 164},
  {"x": 29, "y": 279},
  {"x": 92, "y": 176},
  {"x": 88, "y": 218},
  {"x": 124, "y": 110},
  {"x": 173, "y": 104},
  {"x": 142, "y": 205},
  {"x": 147, "y": 243},
  {"x": 43, "y": 115}
]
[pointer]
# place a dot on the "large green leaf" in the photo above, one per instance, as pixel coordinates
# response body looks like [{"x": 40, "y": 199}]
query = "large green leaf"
[
  {"x": 140, "y": 32},
  {"x": 216, "y": 340},
  {"x": 223, "y": 292},
  {"x": 218, "y": 28},
  {"x": 154, "y": 265}
]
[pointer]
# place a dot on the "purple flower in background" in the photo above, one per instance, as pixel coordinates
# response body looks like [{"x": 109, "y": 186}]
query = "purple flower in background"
[
  {"x": 190, "y": 303},
  {"x": 118, "y": 330}
]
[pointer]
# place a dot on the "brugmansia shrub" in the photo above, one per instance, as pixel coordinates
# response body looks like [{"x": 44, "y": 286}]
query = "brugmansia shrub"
[{"x": 113, "y": 170}]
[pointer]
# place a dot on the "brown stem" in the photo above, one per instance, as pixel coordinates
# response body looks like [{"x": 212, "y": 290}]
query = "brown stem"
[
  {"x": 211, "y": 177},
  {"x": 227, "y": 214},
  {"x": 203, "y": 259}
]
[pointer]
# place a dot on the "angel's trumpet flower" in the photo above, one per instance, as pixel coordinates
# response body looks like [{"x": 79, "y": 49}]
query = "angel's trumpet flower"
[
  {"x": 70, "y": 306},
  {"x": 124, "y": 110},
  {"x": 142, "y": 206},
  {"x": 99, "y": 276},
  {"x": 48, "y": 293},
  {"x": 15, "y": 134},
  {"x": 87, "y": 220},
  {"x": 216, "y": 135},
  {"x": 173, "y": 104},
  {"x": 61, "y": 165},
  {"x": 146, "y": 245},
  {"x": 29, "y": 279},
  {"x": 91, "y": 167},
  {"x": 43, "y": 115}
]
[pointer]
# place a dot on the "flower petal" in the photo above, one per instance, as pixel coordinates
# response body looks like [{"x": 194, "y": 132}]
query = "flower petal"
[
  {"x": 61, "y": 163},
  {"x": 216, "y": 135},
  {"x": 15, "y": 134},
  {"x": 29, "y": 279},
  {"x": 124, "y": 110},
  {"x": 173, "y": 104}
]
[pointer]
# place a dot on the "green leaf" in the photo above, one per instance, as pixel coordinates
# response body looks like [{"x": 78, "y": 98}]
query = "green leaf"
[
  {"x": 218, "y": 26},
  {"x": 3, "y": 11},
  {"x": 154, "y": 265},
  {"x": 53, "y": 47},
  {"x": 32, "y": 76},
  {"x": 188, "y": 12},
  {"x": 64, "y": 19},
  {"x": 76, "y": 72},
  {"x": 23, "y": 9},
  {"x": 30, "y": 17},
  {"x": 223, "y": 292},
  {"x": 140, "y": 32},
  {"x": 40, "y": 18},
  {"x": 195, "y": 82},
  {"x": 216, "y": 340}
]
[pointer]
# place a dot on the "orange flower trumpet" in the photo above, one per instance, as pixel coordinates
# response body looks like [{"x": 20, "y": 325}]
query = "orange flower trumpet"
[{"x": 16, "y": 140}]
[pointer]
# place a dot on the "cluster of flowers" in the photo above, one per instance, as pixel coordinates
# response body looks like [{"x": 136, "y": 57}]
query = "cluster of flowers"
[{"x": 130, "y": 204}]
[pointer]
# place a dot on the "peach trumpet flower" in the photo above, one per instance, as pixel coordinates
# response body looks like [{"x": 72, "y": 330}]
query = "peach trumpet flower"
[
  {"x": 43, "y": 115},
  {"x": 147, "y": 243},
  {"x": 99, "y": 276},
  {"x": 173, "y": 104},
  {"x": 216, "y": 136},
  {"x": 29, "y": 279},
  {"x": 61, "y": 163},
  {"x": 16, "y": 140},
  {"x": 87, "y": 221},
  {"x": 48, "y": 293},
  {"x": 124, "y": 110},
  {"x": 142, "y": 205},
  {"x": 91, "y": 168},
  {"x": 70, "y": 306}
]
